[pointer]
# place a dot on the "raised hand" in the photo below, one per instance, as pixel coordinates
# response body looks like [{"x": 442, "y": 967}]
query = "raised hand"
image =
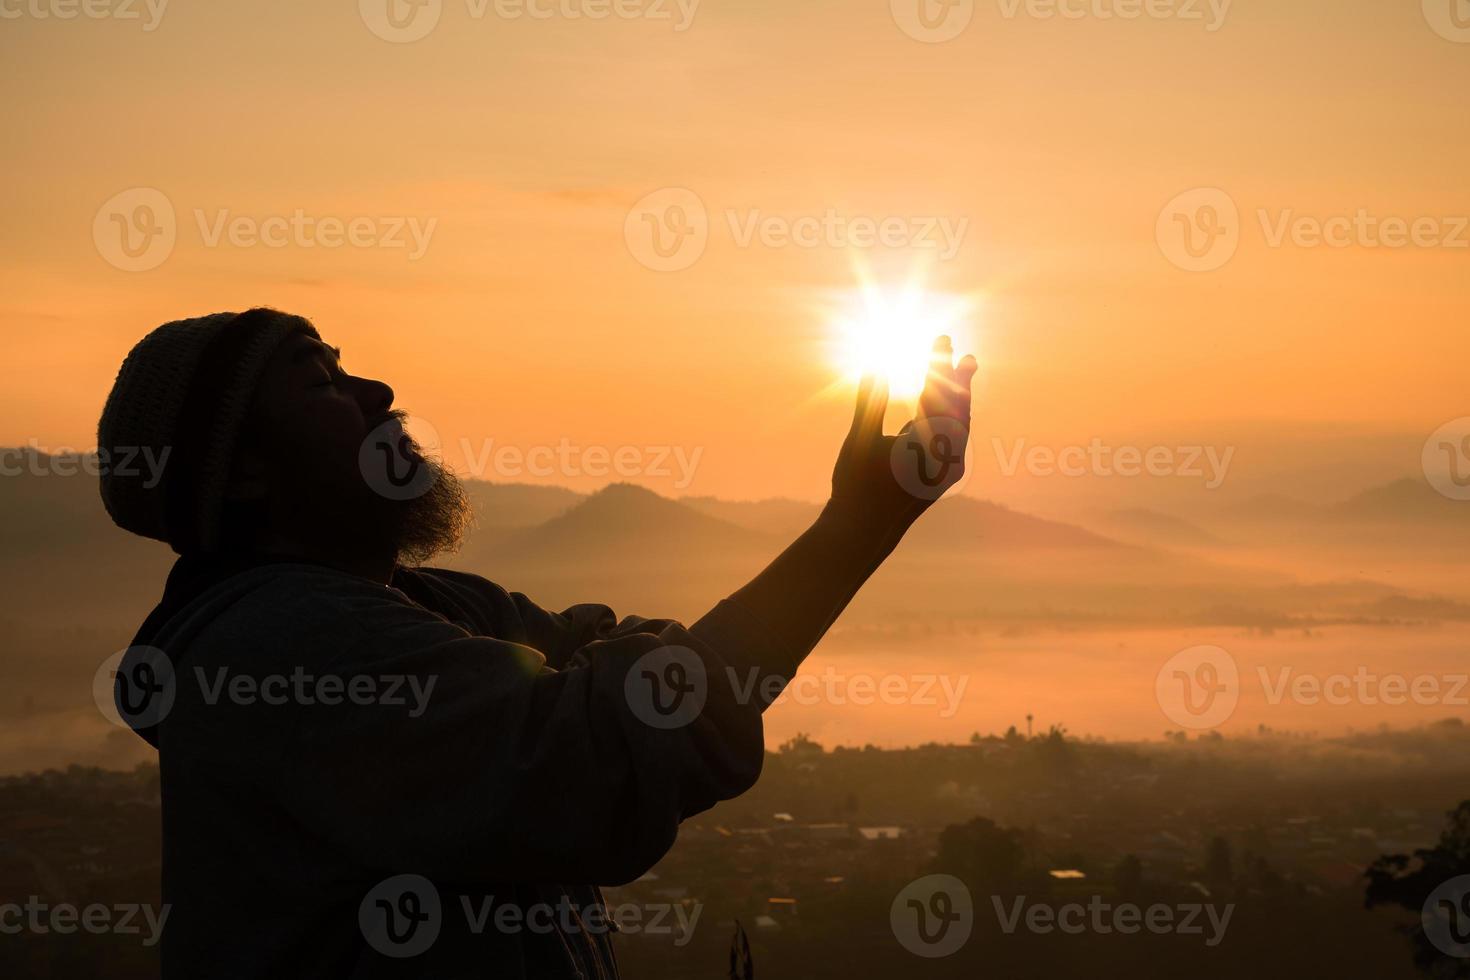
[{"x": 895, "y": 478}]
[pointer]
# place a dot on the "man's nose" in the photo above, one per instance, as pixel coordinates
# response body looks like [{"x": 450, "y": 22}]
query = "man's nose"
[{"x": 375, "y": 397}]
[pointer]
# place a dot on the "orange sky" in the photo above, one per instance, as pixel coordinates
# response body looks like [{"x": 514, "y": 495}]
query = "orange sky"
[{"x": 528, "y": 319}]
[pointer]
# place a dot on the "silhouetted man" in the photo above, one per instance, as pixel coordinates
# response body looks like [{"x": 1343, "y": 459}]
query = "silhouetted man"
[{"x": 372, "y": 768}]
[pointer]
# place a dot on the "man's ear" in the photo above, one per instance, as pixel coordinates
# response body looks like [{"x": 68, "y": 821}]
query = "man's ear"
[{"x": 247, "y": 476}]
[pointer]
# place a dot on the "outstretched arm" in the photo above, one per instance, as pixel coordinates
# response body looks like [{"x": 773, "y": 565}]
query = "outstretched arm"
[{"x": 874, "y": 501}]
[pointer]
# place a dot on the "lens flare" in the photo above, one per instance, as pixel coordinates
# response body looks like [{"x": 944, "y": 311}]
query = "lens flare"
[{"x": 888, "y": 332}]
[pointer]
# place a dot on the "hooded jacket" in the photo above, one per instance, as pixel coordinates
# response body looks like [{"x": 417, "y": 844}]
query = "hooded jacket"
[{"x": 425, "y": 779}]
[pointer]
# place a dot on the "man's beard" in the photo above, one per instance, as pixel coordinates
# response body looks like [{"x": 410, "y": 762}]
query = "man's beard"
[{"x": 432, "y": 523}]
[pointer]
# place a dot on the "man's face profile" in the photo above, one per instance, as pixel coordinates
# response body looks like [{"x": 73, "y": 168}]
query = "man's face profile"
[{"x": 323, "y": 460}]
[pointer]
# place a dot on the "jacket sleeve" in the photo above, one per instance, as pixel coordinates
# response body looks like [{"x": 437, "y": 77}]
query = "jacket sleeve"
[{"x": 499, "y": 767}]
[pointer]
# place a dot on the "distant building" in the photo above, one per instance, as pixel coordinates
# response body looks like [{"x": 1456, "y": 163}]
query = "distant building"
[{"x": 881, "y": 833}]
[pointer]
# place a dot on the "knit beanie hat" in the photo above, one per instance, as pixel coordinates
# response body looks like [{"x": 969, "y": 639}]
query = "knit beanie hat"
[{"x": 180, "y": 400}]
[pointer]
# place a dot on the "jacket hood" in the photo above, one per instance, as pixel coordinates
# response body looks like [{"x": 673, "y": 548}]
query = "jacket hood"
[{"x": 198, "y": 589}]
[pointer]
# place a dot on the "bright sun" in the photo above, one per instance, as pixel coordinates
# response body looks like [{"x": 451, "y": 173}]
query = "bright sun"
[{"x": 889, "y": 332}]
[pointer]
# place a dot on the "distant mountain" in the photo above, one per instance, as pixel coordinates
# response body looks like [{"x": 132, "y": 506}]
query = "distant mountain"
[
  {"x": 62, "y": 558},
  {"x": 1272, "y": 508},
  {"x": 1406, "y": 519},
  {"x": 952, "y": 523},
  {"x": 629, "y": 524},
  {"x": 775, "y": 516},
  {"x": 63, "y": 565},
  {"x": 52, "y": 501},
  {"x": 1157, "y": 528},
  {"x": 502, "y": 505},
  {"x": 1406, "y": 500},
  {"x": 959, "y": 523}
]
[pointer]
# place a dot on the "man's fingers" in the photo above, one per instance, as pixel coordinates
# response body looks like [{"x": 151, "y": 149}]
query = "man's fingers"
[
  {"x": 947, "y": 388},
  {"x": 941, "y": 355},
  {"x": 872, "y": 405}
]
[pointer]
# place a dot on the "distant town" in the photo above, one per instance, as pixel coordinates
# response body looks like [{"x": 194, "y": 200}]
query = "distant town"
[{"x": 1231, "y": 855}]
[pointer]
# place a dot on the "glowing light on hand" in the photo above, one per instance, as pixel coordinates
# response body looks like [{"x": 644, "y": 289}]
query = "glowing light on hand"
[{"x": 888, "y": 332}]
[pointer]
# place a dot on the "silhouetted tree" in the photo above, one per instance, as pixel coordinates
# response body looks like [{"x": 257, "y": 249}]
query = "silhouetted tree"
[
  {"x": 801, "y": 744},
  {"x": 985, "y": 855},
  {"x": 1054, "y": 753},
  {"x": 1390, "y": 882}
]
